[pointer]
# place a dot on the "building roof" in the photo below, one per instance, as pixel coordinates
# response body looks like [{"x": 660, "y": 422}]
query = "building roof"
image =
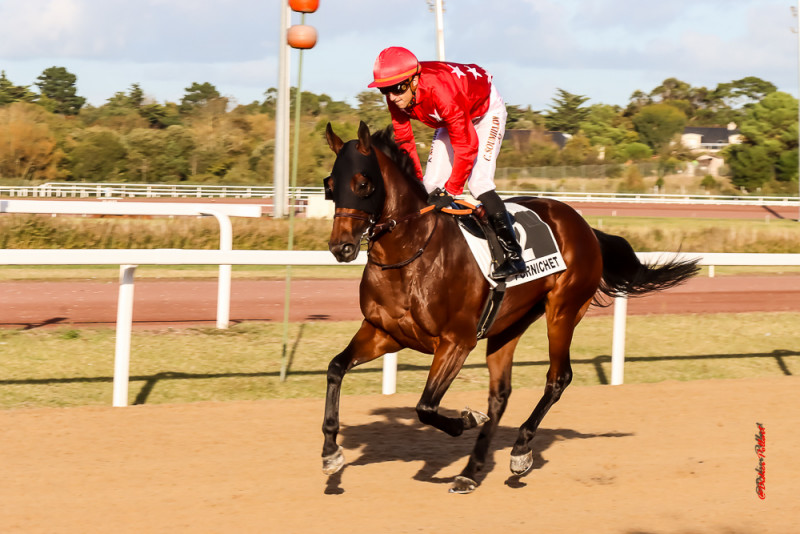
[{"x": 711, "y": 134}]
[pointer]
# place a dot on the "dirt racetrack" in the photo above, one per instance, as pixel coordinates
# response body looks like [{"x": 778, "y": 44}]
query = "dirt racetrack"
[{"x": 673, "y": 457}]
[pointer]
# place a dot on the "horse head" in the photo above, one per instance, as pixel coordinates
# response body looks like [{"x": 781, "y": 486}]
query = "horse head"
[{"x": 357, "y": 188}]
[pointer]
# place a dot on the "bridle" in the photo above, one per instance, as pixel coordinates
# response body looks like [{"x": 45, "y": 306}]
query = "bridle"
[{"x": 375, "y": 231}]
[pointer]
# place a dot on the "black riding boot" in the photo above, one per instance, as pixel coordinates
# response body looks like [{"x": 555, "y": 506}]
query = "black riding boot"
[{"x": 513, "y": 263}]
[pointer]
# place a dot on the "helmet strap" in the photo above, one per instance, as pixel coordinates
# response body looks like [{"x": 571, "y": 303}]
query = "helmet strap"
[{"x": 413, "y": 88}]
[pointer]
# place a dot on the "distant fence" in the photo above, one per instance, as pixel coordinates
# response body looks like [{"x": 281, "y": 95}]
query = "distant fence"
[
  {"x": 306, "y": 195},
  {"x": 605, "y": 170}
]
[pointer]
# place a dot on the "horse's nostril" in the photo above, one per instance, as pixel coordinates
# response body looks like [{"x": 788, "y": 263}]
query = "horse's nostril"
[{"x": 347, "y": 249}]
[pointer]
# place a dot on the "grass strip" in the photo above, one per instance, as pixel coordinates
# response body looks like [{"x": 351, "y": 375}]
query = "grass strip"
[{"x": 74, "y": 367}]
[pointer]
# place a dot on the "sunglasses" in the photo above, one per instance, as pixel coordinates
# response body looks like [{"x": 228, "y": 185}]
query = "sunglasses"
[{"x": 397, "y": 89}]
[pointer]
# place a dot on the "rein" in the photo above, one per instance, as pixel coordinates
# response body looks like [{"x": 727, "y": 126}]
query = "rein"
[
  {"x": 385, "y": 266},
  {"x": 376, "y": 231}
]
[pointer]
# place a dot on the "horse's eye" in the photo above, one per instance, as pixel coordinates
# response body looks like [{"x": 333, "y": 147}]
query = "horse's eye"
[{"x": 361, "y": 186}]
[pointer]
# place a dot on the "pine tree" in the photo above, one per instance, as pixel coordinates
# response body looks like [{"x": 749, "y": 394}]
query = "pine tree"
[
  {"x": 57, "y": 85},
  {"x": 566, "y": 112},
  {"x": 10, "y": 93}
]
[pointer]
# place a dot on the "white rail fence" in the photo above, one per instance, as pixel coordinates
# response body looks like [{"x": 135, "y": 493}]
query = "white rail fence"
[
  {"x": 124, "y": 190},
  {"x": 222, "y": 212},
  {"x": 129, "y": 259}
]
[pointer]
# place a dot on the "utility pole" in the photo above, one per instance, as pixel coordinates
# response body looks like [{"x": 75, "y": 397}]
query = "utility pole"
[
  {"x": 281, "y": 160},
  {"x": 438, "y": 8}
]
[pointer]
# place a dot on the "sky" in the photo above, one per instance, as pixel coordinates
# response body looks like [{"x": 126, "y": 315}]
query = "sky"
[{"x": 603, "y": 49}]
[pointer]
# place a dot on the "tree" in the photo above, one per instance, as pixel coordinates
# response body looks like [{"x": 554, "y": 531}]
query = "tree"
[
  {"x": 160, "y": 116},
  {"x": 658, "y": 123},
  {"x": 770, "y": 147},
  {"x": 606, "y": 126},
  {"x": 198, "y": 95},
  {"x": 566, "y": 112},
  {"x": 637, "y": 151},
  {"x": 28, "y": 149},
  {"x": 637, "y": 101},
  {"x": 578, "y": 151},
  {"x": 57, "y": 86},
  {"x": 751, "y": 166},
  {"x": 13, "y": 93},
  {"x": 372, "y": 109},
  {"x": 523, "y": 118},
  {"x": 98, "y": 156},
  {"x": 136, "y": 96},
  {"x": 671, "y": 89},
  {"x": 159, "y": 155},
  {"x": 745, "y": 92}
]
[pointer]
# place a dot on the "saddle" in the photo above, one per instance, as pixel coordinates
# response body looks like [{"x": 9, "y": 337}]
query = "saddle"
[
  {"x": 477, "y": 224},
  {"x": 539, "y": 251}
]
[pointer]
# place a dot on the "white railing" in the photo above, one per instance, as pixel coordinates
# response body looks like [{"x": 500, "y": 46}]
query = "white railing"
[
  {"x": 644, "y": 198},
  {"x": 221, "y": 212},
  {"x": 128, "y": 259},
  {"x": 200, "y": 191}
]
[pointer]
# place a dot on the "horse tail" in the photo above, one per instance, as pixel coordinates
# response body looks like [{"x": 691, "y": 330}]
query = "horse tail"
[{"x": 625, "y": 275}]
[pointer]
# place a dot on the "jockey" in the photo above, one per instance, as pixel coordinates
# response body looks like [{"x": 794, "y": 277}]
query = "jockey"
[{"x": 469, "y": 115}]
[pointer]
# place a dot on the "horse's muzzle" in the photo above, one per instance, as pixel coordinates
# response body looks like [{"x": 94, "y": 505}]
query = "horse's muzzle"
[{"x": 344, "y": 252}]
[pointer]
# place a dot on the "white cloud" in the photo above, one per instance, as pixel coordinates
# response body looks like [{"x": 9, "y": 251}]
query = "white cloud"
[{"x": 605, "y": 49}]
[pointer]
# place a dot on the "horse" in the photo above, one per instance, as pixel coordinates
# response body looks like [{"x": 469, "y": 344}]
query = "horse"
[{"x": 421, "y": 289}]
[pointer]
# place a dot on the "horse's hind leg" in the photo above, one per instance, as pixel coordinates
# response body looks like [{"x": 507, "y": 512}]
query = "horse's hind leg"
[
  {"x": 561, "y": 322},
  {"x": 368, "y": 343},
  {"x": 499, "y": 356}
]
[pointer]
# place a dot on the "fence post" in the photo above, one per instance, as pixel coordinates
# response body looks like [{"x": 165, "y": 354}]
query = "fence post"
[
  {"x": 389, "y": 373},
  {"x": 618, "y": 341},
  {"x": 224, "y": 287},
  {"x": 122, "y": 355}
]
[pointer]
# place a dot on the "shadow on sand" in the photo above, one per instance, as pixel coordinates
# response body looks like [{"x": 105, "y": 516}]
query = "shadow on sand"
[{"x": 399, "y": 436}]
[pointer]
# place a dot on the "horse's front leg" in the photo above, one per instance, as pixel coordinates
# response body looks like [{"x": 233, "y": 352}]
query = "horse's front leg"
[
  {"x": 448, "y": 359},
  {"x": 368, "y": 343}
]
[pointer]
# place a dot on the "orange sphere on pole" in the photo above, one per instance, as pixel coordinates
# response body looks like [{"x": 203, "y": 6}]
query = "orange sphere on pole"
[
  {"x": 302, "y": 36},
  {"x": 304, "y": 6}
]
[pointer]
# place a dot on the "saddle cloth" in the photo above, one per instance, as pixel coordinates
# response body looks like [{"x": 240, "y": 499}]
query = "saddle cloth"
[{"x": 539, "y": 248}]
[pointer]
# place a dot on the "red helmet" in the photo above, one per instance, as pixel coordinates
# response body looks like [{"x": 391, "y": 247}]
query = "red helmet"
[{"x": 393, "y": 65}]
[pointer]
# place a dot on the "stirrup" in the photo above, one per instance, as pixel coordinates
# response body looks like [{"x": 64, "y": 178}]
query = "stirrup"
[{"x": 508, "y": 268}]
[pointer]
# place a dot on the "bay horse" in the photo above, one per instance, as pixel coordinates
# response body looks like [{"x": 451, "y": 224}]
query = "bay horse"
[{"x": 421, "y": 289}]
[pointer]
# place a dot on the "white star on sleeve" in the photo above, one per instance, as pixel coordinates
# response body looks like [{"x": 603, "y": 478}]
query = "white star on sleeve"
[
  {"x": 435, "y": 115},
  {"x": 474, "y": 72},
  {"x": 458, "y": 72}
]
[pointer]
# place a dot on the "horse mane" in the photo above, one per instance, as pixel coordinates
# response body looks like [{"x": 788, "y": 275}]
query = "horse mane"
[{"x": 384, "y": 141}]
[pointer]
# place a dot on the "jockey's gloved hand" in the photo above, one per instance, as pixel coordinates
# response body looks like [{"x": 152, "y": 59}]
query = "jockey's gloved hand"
[{"x": 439, "y": 198}]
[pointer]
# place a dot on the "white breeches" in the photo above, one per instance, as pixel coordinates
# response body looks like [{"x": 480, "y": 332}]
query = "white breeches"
[{"x": 490, "y": 129}]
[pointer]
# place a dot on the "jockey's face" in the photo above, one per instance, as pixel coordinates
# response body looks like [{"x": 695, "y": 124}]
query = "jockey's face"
[{"x": 402, "y": 100}]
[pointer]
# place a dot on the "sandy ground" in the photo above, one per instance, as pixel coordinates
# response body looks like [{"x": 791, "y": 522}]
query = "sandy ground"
[{"x": 660, "y": 458}]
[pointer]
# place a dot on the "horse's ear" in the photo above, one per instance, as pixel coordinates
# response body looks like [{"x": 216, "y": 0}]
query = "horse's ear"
[
  {"x": 364, "y": 140},
  {"x": 334, "y": 141}
]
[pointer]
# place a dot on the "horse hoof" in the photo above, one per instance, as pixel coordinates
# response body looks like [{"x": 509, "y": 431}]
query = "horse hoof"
[
  {"x": 333, "y": 463},
  {"x": 463, "y": 485},
  {"x": 473, "y": 418},
  {"x": 522, "y": 464}
]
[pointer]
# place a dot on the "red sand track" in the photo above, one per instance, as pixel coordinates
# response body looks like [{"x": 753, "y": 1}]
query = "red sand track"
[{"x": 176, "y": 303}]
